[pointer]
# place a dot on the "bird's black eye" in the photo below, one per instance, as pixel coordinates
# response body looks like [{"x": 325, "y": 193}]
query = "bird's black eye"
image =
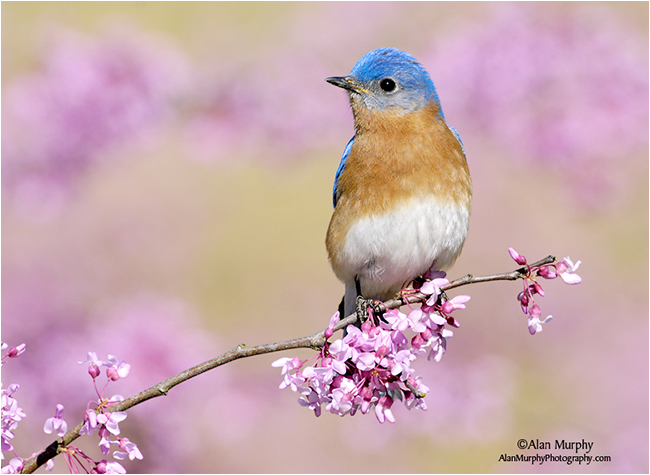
[{"x": 387, "y": 85}]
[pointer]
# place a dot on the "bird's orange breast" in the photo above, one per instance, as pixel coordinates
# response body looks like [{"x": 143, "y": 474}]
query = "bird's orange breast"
[{"x": 394, "y": 158}]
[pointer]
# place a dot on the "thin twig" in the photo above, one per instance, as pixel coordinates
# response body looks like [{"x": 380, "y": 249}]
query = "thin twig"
[
  {"x": 417, "y": 297},
  {"x": 315, "y": 341}
]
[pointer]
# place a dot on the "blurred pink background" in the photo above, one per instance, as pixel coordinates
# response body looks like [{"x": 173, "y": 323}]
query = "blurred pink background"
[{"x": 166, "y": 188}]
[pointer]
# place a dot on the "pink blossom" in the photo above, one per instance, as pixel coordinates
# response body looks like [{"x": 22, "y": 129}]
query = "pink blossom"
[
  {"x": 415, "y": 320},
  {"x": 128, "y": 449},
  {"x": 117, "y": 369},
  {"x": 15, "y": 465},
  {"x": 105, "y": 445},
  {"x": 342, "y": 399},
  {"x": 312, "y": 400},
  {"x": 110, "y": 467},
  {"x": 566, "y": 270},
  {"x": 432, "y": 287},
  {"x": 439, "y": 345},
  {"x": 398, "y": 320},
  {"x": 402, "y": 364},
  {"x": 456, "y": 303},
  {"x": 343, "y": 352},
  {"x": 12, "y": 414},
  {"x": 366, "y": 361},
  {"x": 111, "y": 421},
  {"x": 56, "y": 423},
  {"x": 382, "y": 410},
  {"x": 433, "y": 320},
  {"x": 90, "y": 416},
  {"x": 535, "y": 324},
  {"x": 323, "y": 375},
  {"x": 287, "y": 365}
]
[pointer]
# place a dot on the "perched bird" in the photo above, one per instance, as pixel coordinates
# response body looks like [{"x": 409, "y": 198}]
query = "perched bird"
[{"x": 402, "y": 192}]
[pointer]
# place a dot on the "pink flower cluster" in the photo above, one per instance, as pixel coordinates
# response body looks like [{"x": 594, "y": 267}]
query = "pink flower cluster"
[
  {"x": 564, "y": 269},
  {"x": 12, "y": 414},
  {"x": 98, "y": 418},
  {"x": 106, "y": 423},
  {"x": 371, "y": 366}
]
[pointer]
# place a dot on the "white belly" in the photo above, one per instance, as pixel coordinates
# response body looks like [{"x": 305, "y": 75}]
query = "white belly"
[{"x": 387, "y": 250}]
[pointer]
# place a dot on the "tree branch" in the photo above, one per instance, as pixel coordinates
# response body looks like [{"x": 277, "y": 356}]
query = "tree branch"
[
  {"x": 518, "y": 273},
  {"x": 315, "y": 341}
]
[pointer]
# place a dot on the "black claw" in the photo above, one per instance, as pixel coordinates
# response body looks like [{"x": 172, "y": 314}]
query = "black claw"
[
  {"x": 362, "y": 309},
  {"x": 363, "y": 305}
]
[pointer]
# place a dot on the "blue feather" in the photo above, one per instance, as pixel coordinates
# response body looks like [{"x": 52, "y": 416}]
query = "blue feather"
[
  {"x": 346, "y": 154},
  {"x": 455, "y": 132}
]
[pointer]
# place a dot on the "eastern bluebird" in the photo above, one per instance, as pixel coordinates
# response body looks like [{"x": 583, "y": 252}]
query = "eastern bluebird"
[{"x": 402, "y": 192}]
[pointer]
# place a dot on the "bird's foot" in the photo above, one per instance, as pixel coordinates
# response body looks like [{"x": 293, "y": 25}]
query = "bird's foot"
[{"x": 365, "y": 305}]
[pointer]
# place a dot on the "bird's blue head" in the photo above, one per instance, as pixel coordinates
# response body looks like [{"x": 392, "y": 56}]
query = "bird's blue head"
[{"x": 389, "y": 79}]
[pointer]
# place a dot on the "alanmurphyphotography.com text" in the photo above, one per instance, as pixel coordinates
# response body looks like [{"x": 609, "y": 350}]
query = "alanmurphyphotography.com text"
[{"x": 581, "y": 452}]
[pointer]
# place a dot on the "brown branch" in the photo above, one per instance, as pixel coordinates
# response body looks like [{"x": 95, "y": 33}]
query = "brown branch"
[{"x": 315, "y": 341}]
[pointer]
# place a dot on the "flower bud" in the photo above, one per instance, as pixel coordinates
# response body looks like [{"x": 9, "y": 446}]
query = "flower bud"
[
  {"x": 102, "y": 466},
  {"x": 523, "y": 298},
  {"x": 521, "y": 260},
  {"x": 112, "y": 373},
  {"x": 452, "y": 321},
  {"x": 93, "y": 370},
  {"x": 15, "y": 351}
]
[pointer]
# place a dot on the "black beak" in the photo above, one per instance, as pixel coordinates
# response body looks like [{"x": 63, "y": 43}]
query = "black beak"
[{"x": 346, "y": 82}]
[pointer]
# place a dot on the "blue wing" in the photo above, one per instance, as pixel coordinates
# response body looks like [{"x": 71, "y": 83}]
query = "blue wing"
[
  {"x": 457, "y": 135},
  {"x": 346, "y": 154}
]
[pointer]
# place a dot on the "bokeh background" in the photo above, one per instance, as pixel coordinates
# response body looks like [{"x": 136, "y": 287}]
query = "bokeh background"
[{"x": 166, "y": 188}]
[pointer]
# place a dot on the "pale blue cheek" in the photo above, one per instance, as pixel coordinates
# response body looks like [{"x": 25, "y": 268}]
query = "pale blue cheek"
[{"x": 407, "y": 103}]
